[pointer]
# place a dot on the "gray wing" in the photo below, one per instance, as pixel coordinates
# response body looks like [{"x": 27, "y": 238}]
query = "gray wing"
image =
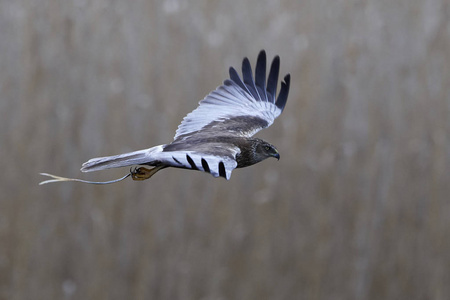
[{"x": 240, "y": 107}]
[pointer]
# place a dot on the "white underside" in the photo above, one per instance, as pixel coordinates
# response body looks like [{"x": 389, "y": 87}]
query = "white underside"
[{"x": 171, "y": 158}]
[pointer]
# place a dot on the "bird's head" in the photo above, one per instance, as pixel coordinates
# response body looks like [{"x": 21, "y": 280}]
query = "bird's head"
[{"x": 267, "y": 150}]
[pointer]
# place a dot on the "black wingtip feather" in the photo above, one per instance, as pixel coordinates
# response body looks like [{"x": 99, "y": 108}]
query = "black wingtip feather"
[
  {"x": 260, "y": 74},
  {"x": 284, "y": 92},
  {"x": 272, "y": 81},
  {"x": 234, "y": 76},
  {"x": 248, "y": 78}
]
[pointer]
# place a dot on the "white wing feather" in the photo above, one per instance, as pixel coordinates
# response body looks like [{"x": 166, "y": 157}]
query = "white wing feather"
[{"x": 227, "y": 101}]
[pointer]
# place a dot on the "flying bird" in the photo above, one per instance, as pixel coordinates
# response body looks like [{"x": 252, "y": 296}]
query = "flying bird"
[{"x": 217, "y": 137}]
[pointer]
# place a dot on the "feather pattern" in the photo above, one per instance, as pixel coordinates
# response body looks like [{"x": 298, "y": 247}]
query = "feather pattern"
[{"x": 205, "y": 162}]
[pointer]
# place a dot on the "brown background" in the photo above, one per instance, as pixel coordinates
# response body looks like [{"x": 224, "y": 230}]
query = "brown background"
[{"x": 358, "y": 207}]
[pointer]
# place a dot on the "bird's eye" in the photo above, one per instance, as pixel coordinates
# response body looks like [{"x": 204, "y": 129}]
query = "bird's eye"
[{"x": 267, "y": 148}]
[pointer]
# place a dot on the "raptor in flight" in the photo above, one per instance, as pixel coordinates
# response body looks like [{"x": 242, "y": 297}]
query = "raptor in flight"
[{"x": 217, "y": 136}]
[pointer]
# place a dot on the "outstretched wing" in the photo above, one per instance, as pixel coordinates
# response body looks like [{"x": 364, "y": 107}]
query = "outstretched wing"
[{"x": 239, "y": 107}]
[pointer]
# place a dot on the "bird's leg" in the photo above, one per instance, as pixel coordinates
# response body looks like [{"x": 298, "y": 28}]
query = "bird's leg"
[{"x": 141, "y": 173}]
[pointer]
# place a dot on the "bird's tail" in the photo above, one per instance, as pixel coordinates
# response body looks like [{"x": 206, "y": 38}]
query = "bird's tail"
[{"x": 145, "y": 156}]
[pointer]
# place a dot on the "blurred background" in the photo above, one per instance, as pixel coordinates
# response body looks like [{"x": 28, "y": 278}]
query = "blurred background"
[{"x": 358, "y": 207}]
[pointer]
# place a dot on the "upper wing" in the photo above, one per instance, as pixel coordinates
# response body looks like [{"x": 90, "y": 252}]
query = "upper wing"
[{"x": 240, "y": 107}]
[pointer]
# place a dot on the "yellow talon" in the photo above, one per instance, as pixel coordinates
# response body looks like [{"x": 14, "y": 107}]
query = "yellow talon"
[{"x": 142, "y": 173}]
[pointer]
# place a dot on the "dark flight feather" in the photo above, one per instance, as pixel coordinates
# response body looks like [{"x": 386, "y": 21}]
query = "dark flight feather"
[
  {"x": 260, "y": 75},
  {"x": 248, "y": 78},
  {"x": 236, "y": 79},
  {"x": 272, "y": 81},
  {"x": 284, "y": 92}
]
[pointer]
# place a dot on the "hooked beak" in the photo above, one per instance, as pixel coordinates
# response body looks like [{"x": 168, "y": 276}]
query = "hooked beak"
[{"x": 277, "y": 156}]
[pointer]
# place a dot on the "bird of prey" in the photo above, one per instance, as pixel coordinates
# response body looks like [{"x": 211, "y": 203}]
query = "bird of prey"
[{"x": 217, "y": 136}]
